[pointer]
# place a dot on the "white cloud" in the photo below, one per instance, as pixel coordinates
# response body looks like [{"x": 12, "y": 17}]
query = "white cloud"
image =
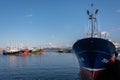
[
  {"x": 118, "y": 11},
  {"x": 28, "y": 15},
  {"x": 115, "y": 29},
  {"x": 104, "y": 33}
]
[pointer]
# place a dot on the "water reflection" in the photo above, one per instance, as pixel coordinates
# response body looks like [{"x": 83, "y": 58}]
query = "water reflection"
[
  {"x": 12, "y": 61},
  {"x": 49, "y": 66}
]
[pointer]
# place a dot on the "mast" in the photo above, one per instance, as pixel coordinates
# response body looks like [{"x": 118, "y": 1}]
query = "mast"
[{"x": 93, "y": 23}]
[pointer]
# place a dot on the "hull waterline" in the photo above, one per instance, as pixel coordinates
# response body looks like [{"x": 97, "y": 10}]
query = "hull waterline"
[{"x": 90, "y": 75}]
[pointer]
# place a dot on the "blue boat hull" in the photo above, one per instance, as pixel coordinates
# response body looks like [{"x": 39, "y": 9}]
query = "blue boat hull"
[{"x": 93, "y": 55}]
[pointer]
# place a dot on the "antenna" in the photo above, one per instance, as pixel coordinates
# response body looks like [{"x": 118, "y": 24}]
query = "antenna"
[
  {"x": 96, "y": 11},
  {"x": 92, "y": 17}
]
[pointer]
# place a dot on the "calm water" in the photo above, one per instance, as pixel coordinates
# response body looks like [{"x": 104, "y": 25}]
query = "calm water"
[{"x": 49, "y": 66}]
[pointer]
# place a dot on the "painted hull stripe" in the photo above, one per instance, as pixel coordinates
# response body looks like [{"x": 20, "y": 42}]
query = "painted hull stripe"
[
  {"x": 92, "y": 51},
  {"x": 91, "y": 69}
]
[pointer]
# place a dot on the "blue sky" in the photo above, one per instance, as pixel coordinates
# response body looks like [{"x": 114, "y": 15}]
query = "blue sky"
[{"x": 54, "y": 22}]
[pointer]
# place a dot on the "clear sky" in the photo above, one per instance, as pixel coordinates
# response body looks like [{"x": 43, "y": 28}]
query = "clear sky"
[{"x": 54, "y": 22}]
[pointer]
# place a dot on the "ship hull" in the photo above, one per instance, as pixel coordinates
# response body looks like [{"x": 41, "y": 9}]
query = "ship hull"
[
  {"x": 93, "y": 56},
  {"x": 12, "y": 53},
  {"x": 17, "y": 53},
  {"x": 91, "y": 75}
]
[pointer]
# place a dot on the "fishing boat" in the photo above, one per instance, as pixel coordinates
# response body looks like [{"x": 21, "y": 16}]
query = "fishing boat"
[
  {"x": 38, "y": 51},
  {"x": 93, "y": 52},
  {"x": 11, "y": 51},
  {"x": 15, "y": 51}
]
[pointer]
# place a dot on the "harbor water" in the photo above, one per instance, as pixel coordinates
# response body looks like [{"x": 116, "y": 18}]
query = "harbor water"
[{"x": 49, "y": 66}]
